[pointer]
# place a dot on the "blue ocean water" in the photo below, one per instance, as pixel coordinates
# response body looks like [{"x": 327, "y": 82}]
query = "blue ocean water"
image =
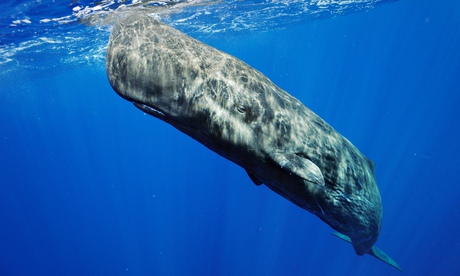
[{"x": 89, "y": 185}]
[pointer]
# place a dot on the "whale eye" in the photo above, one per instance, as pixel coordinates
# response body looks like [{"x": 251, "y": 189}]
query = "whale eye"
[{"x": 241, "y": 108}]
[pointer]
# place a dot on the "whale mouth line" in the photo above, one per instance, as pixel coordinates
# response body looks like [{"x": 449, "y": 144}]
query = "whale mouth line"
[{"x": 150, "y": 110}]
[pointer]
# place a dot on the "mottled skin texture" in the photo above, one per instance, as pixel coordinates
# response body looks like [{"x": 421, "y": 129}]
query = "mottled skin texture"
[{"x": 239, "y": 113}]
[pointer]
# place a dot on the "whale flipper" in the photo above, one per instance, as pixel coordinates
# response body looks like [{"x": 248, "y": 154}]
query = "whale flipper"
[
  {"x": 298, "y": 166},
  {"x": 375, "y": 251},
  {"x": 254, "y": 178}
]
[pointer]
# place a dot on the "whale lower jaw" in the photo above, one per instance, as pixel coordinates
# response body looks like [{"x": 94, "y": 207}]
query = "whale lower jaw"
[{"x": 150, "y": 110}]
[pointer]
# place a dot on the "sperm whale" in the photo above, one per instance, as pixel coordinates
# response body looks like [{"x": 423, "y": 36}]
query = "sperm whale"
[{"x": 237, "y": 112}]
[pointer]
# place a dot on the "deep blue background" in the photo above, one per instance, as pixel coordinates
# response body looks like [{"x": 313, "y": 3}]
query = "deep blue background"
[{"x": 91, "y": 186}]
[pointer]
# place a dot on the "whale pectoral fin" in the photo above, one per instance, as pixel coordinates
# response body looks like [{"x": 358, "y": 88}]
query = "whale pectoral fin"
[
  {"x": 299, "y": 166},
  {"x": 375, "y": 251},
  {"x": 254, "y": 178}
]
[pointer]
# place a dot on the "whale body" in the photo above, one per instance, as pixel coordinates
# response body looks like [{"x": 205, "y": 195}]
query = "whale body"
[{"x": 237, "y": 112}]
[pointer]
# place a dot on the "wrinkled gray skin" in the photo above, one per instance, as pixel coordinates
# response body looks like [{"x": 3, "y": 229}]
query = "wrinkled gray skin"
[{"x": 239, "y": 113}]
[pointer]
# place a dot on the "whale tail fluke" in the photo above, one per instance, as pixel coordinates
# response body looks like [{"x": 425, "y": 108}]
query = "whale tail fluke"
[
  {"x": 379, "y": 254},
  {"x": 375, "y": 251}
]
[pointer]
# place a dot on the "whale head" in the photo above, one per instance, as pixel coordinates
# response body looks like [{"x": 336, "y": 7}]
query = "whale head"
[
  {"x": 144, "y": 75},
  {"x": 174, "y": 79}
]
